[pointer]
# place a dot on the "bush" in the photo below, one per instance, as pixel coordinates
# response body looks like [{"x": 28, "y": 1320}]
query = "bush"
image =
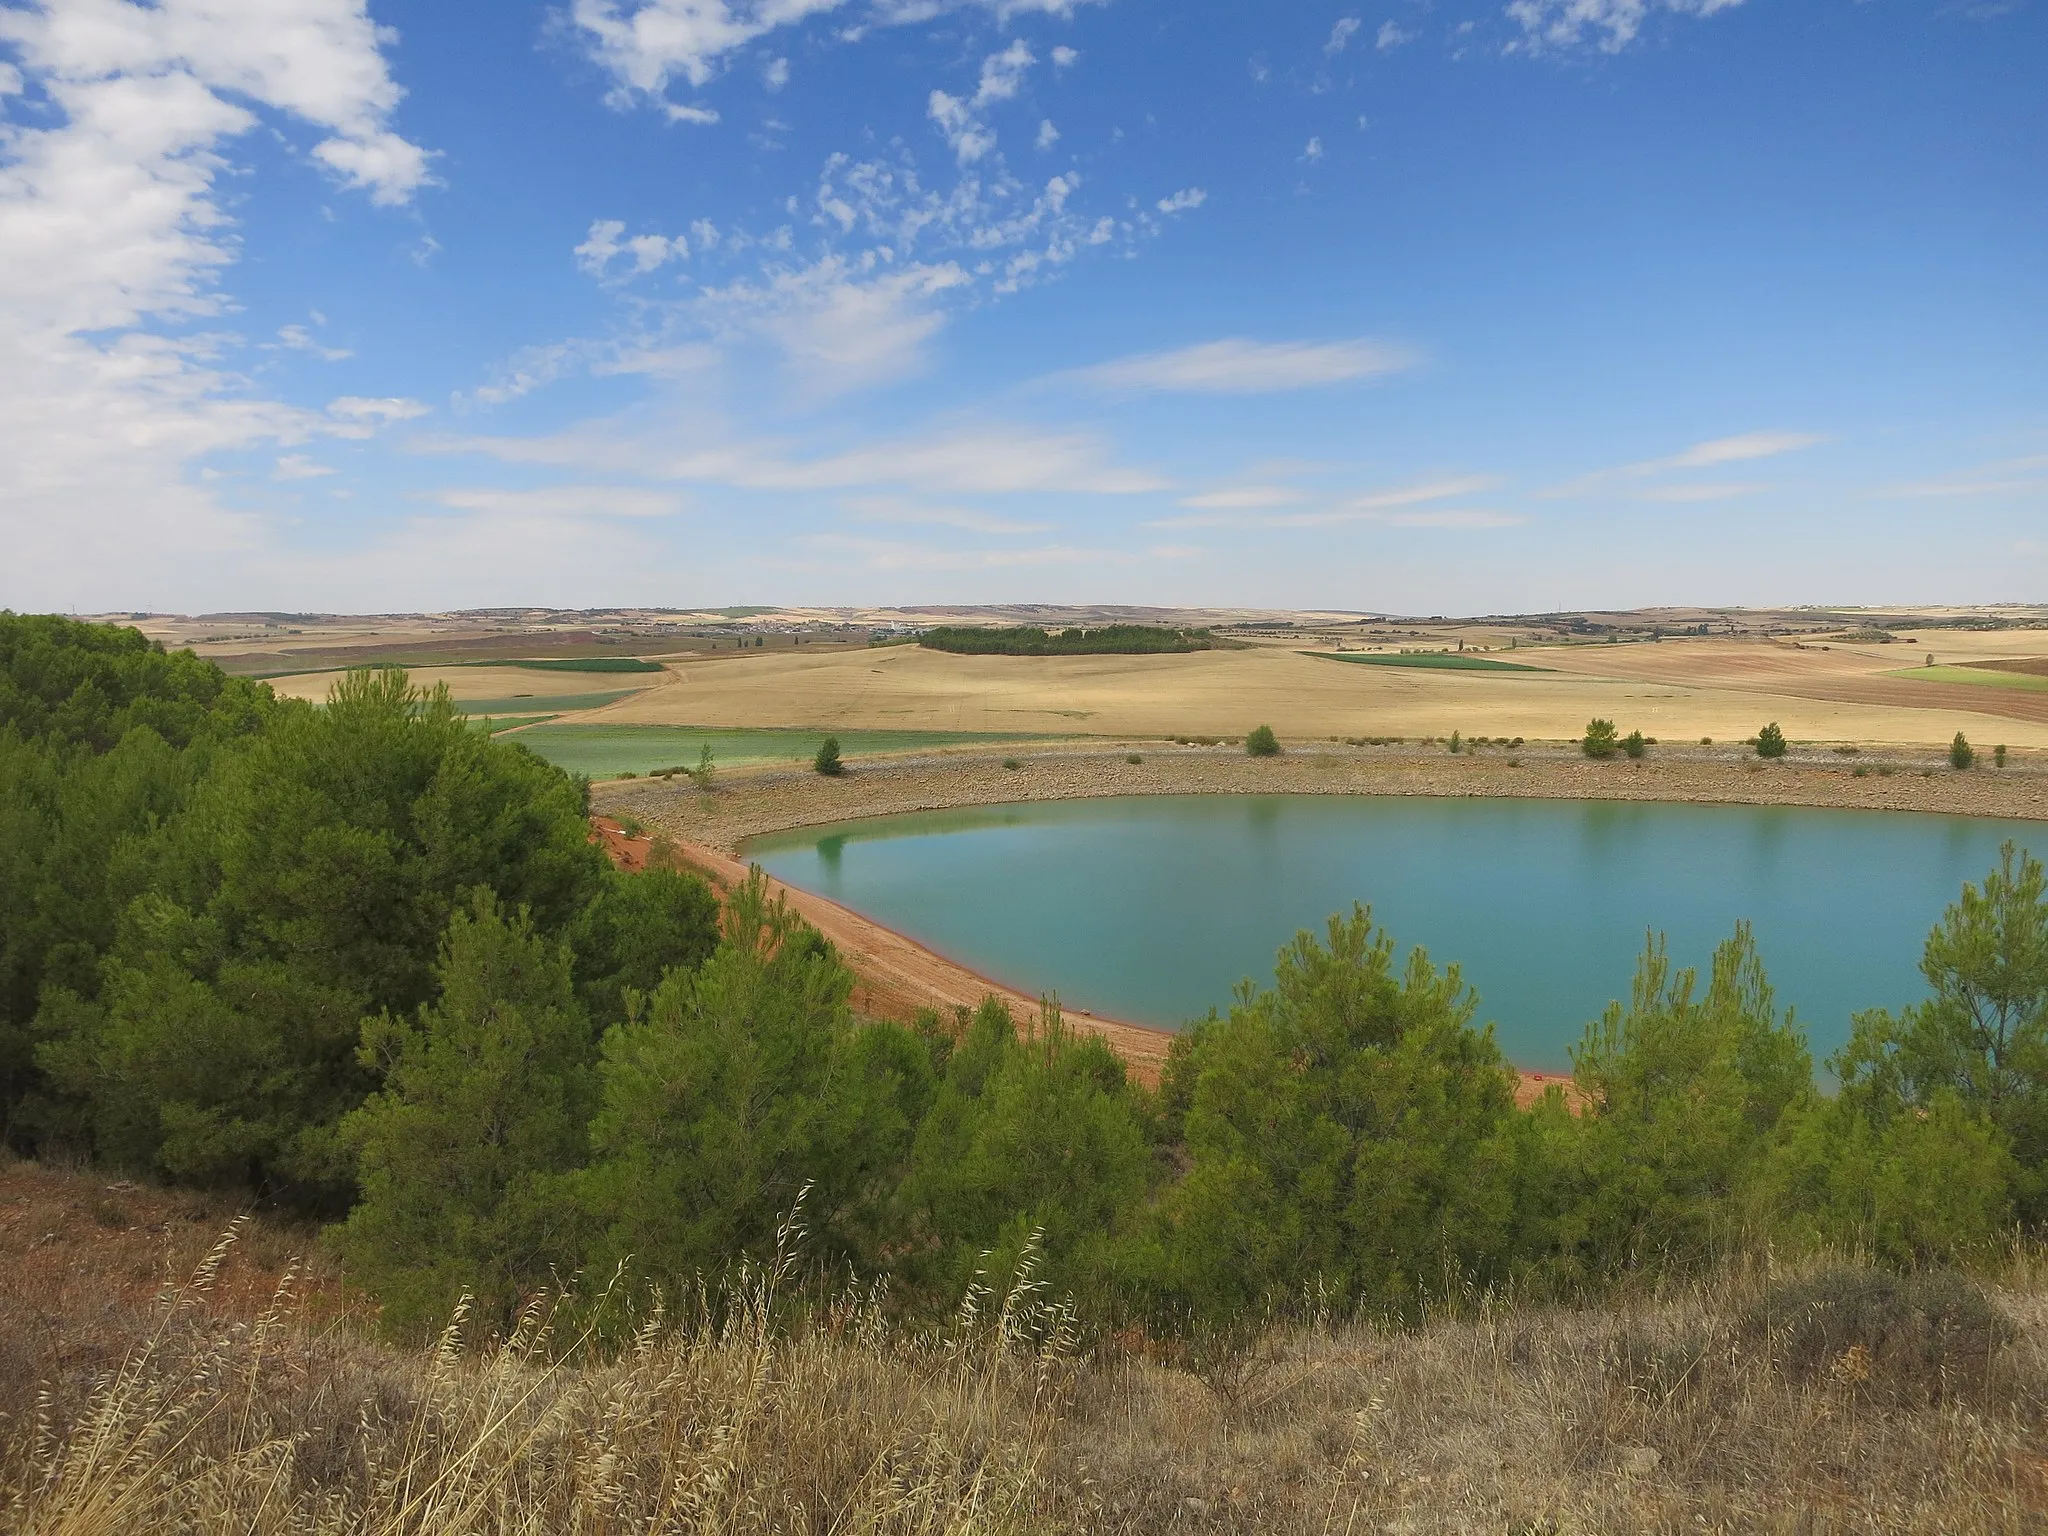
[
  {"x": 1960, "y": 753},
  {"x": 1998, "y": 757},
  {"x": 1012, "y": 764},
  {"x": 1914, "y": 1338},
  {"x": 1262, "y": 742},
  {"x": 1134, "y": 758},
  {"x": 1457, "y": 744},
  {"x": 1634, "y": 745},
  {"x": 1599, "y": 740},
  {"x": 828, "y": 761},
  {"x": 1770, "y": 741}
]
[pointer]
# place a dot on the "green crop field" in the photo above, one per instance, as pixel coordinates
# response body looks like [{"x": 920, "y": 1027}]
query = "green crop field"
[
  {"x": 605, "y": 751},
  {"x": 1438, "y": 661},
  {"x": 574, "y": 664},
  {"x": 1976, "y": 677},
  {"x": 539, "y": 703},
  {"x": 496, "y": 724}
]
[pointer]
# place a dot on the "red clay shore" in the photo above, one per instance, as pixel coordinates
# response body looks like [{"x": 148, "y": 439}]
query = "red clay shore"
[{"x": 896, "y": 977}]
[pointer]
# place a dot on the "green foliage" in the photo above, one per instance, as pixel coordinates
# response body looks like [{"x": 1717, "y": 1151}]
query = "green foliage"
[
  {"x": 1347, "y": 1133},
  {"x": 1436, "y": 661},
  {"x": 1109, "y": 640},
  {"x": 828, "y": 761},
  {"x": 1960, "y": 753},
  {"x": 1998, "y": 756},
  {"x": 1633, "y": 745},
  {"x": 1983, "y": 1034},
  {"x": 486, "y": 1095},
  {"x": 634, "y": 931},
  {"x": 706, "y": 770},
  {"x": 1042, "y": 1135},
  {"x": 71, "y": 684},
  {"x": 747, "y": 1083},
  {"x": 1262, "y": 742},
  {"x": 1681, "y": 1094},
  {"x": 1770, "y": 741},
  {"x": 307, "y": 884},
  {"x": 1457, "y": 743},
  {"x": 1599, "y": 740}
]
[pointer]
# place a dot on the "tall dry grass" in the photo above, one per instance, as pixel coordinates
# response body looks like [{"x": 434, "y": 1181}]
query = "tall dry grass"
[{"x": 1697, "y": 1409}]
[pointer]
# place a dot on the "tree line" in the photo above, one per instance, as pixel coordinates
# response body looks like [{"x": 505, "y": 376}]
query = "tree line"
[
  {"x": 364, "y": 961},
  {"x": 1106, "y": 640}
]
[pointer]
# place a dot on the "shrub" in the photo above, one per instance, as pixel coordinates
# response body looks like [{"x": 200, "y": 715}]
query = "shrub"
[
  {"x": 1262, "y": 742},
  {"x": 1706, "y": 741},
  {"x": 1960, "y": 753},
  {"x": 828, "y": 761},
  {"x": 1634, "y": 745},
  {"x": 1012, "y": 764},
  {"x": 1133, "y": 758},
  {"x": 1457, "y": 744},
  {"x": 1998, "y": 756},
  {"x": 1770, "y": 741},
  {"x": 1916, "y": 1338},
  {"x": 1599, "y": 740}
]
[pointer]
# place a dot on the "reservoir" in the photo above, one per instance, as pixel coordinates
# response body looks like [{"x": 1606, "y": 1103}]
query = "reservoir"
[{"x": 1152, "y": 908}]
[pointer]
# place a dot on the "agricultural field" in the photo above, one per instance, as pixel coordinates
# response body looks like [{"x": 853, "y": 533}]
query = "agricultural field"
[
  {"x": 606, "y": 751},
  {"x": 1677, "y": 690},
  {"x": 1980, "y": 675},
  {"x": 500, "y": 689}
]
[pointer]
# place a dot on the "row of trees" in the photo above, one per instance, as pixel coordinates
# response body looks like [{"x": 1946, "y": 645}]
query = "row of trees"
[
  {"x": 365, "y": 960},
  {"x": 1108, "y": 639}
]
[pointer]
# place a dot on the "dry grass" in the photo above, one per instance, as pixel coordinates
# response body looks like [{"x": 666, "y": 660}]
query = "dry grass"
[
  {"x": 1677, "y": 690},
  {"x": 1672, "y": 1412}
]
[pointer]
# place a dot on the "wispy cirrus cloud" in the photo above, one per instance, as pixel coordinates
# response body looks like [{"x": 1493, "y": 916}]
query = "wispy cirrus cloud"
[
  {"x": 1714, "y": 453},
  {"x": 560, "y": 501},
  {"x": 1240, "y": 366},
  {"x": 897, "y": 509},
  {"x": 1405, "y": 506},
  {"x": 2004, "y": 477}
]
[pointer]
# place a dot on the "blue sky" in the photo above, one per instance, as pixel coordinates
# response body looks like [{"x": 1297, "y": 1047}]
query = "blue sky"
[{"x": 1429, "y": 306}]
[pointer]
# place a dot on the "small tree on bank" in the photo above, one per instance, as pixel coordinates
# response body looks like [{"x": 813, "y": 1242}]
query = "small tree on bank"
[
  {"x": 1633, "y": 744},
  {"x": 1599, "y": 740},
  {"x": 1770, "y": 741},
  {"x": 827, "y": 761},
  {"x": 1960, "y": 753},
  {"x": 1262, "y": 742}
]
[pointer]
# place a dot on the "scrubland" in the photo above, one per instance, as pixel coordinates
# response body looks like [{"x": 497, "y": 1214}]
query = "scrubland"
[{"x": 1810, "y": 1400}]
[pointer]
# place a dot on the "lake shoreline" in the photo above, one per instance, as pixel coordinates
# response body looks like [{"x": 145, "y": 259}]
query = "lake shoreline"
[{"x": 746, "y": 804}]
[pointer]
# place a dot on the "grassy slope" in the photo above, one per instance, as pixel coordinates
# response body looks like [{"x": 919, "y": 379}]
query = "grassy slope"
[
  {"x": 605, "y": 750},
  {"x": 1649, "y": 1415}
]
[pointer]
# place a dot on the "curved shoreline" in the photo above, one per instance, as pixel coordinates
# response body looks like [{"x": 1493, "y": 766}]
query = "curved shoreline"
[
  {"x": 899, "y": 976},
  {"x": 783, "y": 799}
]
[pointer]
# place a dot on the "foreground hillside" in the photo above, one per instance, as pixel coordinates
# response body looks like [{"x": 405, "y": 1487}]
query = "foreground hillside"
[{"x": 1855, "y": 1403}]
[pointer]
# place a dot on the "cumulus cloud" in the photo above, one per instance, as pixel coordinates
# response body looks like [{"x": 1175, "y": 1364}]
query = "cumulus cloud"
[
  {"x": 1047, "y": 134},
  {"x": 897, "y": 509},
  {"x": 297, "y": 338},
  {"x": 608, "y": 241},
  {"x": 1341, "y": 35},
  {"x": 1239, "y": 366},
  {"x": 1313, "y": 151},
  {"x": 1609, "y": 25},
  {"x": 297, "y": 466},
  {"x": 1390, "y": 37},
  {"x": 961, "y": 118},
  {"x": 1181, "y": 201},
  {"x": 113, "y": 226},
  {"x": 1063, "y": 56}
]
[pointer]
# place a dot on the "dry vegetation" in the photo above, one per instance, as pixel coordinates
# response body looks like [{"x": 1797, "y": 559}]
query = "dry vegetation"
[{"x": 1824, "y": 1402}]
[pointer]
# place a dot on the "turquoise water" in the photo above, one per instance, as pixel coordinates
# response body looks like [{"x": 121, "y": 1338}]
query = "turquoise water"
[{"x": 1151, "y": 908}]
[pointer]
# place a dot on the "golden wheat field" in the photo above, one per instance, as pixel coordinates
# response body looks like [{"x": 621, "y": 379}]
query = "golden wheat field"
[{"x": 1677, "y": 690}]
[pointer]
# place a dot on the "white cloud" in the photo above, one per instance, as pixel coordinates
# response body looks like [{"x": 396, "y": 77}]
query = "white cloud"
[
  {"x": 564, "y": 501},
  {"x": 1063, "y": 57},
  {"x": 961, "y": 119},
  {"x": 1187, "y": 197},
  {"x": 775, "y": 74},
  {"x": 1404, "y": 506},
  {"x": 1237, "y": 498},
  {"x": 360, "y": 410},
  {"x": 2007, "y": 477},
  {"x": 607, "y": 241},
  {"x": 968, "y": 136},
  {"x": 112, "y": 224},
  {"x": 1390, "y": 37},
  {"x": 296, "y": 338},
  {"x": 1047, "y": 134},
  {"x": 897, "y": 509},
  {"x": 1610, "y": 25},
  {"x": 1314, "y": 150},
  {"x": 895, "y": 555},
  {"x": 1341, "y": 34},
  {"x": 296, "y": 466},
  {"x": 1682, "y": 494},
  {"x": 1743, "y": 448},
  {"x": 1239, "y": 366},
  {"x": 991, "y": 460}
]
